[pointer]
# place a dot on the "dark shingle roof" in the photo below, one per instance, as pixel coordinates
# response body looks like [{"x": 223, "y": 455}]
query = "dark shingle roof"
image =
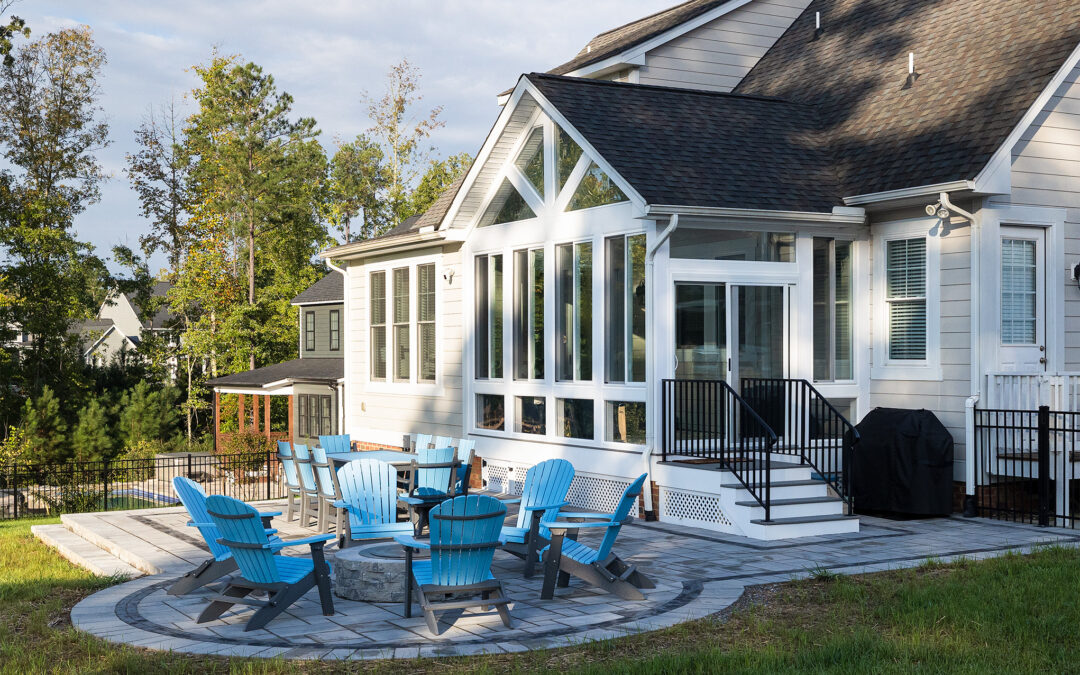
[
  {"x": 329, "y": 370},
  {"x": 612, "y": 42},
  {"x": 983, "y": 63},
  {"x": 328, "y": 289},
  {"x": 694, "y": 148},
  {"x": 430, "y": 218}
]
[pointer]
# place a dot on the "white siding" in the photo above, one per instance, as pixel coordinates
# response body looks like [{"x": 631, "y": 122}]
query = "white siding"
[
  {"x": 1046, "y": 172},
  {"x": 380, "y": 412},
  {"x": 719, "y": 54},
  {"x": 945, "y": 398}
]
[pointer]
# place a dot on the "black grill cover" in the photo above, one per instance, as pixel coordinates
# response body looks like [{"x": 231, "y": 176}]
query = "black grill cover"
[{"x": 903, "y": 463}]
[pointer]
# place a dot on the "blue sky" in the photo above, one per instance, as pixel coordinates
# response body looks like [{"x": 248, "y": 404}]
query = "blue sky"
[{"x": 325, "y": 53}]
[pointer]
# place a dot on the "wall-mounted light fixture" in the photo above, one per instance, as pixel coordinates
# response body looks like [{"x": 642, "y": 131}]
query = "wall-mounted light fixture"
[{"x": 448, "y": 274}]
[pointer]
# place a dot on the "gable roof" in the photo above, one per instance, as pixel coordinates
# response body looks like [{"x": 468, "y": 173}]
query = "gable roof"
[
  {"x": 612, "y": 42},
  {"x": 329, "y": 289},
  {"x": 982, "y": 65},
  {"x": 696, "y": 148}
]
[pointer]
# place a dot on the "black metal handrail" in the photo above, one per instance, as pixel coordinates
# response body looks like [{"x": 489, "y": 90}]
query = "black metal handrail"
[
  {"x": 708, "y": 419},
  {"x": 809, "y": 426}
]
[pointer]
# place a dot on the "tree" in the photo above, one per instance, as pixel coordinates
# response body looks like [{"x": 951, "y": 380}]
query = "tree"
[
  {"x": 90, "y": 439},
  {"x": 50, "y": 129},
  {"x": 260, "y": 170},
  {"x": 356, "y": 182},
  {"x": 401, "y": 133},
  {"x": 440, "y": 175},
  {"x": 146, "y": 414},
  {"x": 44, "y": 428}
]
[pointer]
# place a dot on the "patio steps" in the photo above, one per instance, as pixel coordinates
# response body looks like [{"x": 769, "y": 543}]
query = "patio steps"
[{"x": 83, "y": 553}]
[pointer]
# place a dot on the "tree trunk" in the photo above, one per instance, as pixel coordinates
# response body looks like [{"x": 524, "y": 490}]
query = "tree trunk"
[
  {"x": 189, "y": 402},
  {"x": 251, "y": 282}
]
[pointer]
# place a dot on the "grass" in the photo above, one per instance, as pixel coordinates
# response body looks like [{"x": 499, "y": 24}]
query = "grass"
[{"x": 1010, "y": 614}]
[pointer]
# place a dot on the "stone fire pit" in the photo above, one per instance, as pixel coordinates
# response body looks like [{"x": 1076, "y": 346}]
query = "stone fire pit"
[{"x": 372, "y": 573}]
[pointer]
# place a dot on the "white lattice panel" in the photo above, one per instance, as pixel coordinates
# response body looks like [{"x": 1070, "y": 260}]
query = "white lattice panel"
[
  {"x": 691, "y": 508},
  {"x": 503, "y": 477},
  {"x": 598, "y": 493}
]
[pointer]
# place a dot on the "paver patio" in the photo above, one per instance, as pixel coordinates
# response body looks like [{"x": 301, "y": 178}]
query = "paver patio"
[{"x": 697, "y": 573}]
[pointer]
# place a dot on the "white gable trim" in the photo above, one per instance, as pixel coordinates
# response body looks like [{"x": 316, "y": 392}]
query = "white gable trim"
[
  {"x": 109, "y": 331},
  {"x": 984, "y": 182},
  {"x": 635, "y": 56}
]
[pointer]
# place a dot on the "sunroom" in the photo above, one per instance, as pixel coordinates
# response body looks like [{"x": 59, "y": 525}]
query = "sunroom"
[{"x": 594, "y": 203}]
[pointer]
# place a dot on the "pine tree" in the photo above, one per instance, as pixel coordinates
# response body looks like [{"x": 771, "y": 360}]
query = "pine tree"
[
  {"x": 91, "y": 440},
  {"x": 45, "y": 429}
]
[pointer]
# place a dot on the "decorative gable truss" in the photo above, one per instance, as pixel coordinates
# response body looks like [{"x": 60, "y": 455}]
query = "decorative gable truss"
[{"x": 534, "y": 165}]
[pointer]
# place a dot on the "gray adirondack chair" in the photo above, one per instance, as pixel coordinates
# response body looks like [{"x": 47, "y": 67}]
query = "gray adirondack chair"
[
  {"x": 464, "y": 536},
  {"x": 285, "y": 579},
  {"x": 329, "y": 490},
  {"x": 221, "y": 561},
  {"x": 599, "y": 567},
  {"x": 309, "y": 486},
  {"x": 293, "y": 493},
  {"x": 542, "y": 495},
  {"x": 431, "y": 482}
]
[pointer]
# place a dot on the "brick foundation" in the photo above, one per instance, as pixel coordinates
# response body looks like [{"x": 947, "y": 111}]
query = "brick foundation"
[{"x": 361, "y": 445}]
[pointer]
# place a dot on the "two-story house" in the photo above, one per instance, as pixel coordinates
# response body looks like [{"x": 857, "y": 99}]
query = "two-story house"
[
  {"x": 313, "y": 383},
  {"x": 118, "y": 328}
]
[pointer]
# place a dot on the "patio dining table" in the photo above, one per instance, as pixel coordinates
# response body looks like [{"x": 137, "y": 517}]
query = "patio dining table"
[{"x": 399, "y": 459}]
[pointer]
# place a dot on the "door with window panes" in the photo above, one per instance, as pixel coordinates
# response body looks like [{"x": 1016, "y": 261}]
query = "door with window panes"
[{"x": 1022, "y": 321}]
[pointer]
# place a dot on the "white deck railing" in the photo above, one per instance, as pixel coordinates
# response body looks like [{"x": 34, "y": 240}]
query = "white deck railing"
[{"x": 1028, "y": 391}]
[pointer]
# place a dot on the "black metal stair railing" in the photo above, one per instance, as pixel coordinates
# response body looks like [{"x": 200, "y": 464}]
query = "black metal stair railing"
[
  {"x": 808, "y": 425},
  {"x": 707, "y": 419}
]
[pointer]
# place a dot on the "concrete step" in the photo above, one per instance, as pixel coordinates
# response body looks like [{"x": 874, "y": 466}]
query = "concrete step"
[
  {"x": 802, "y": 526},
  {"x": 118, "y": 535},
  {"x": 83, "y": 553}
]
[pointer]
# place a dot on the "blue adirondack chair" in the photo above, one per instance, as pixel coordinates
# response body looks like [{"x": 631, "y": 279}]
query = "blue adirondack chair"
[
  {"x": 464, "y": 536},
  {"x": 599, "y": 567},
  {"x": 329, "y": 492},
  {"x": 292, "y": 480},
  {"x": 432, "y": 478},
  {"x": 465, "y": 450},
  {"x": 309, "y": 487},
  {"x": 543, "y": 494},
  {"x": 369, "y": 499},
  {"x": 338, "y": 443},
  {"x": 284, "y": 578},
  {"x": 221, "y": 561}
]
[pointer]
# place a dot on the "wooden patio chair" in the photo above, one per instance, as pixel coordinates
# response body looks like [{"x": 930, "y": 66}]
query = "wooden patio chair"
[
  {"x": 285, "y": 579},
  {"x": 599, "y": 567},
  {"x": 431, "y": 482},
  {"x": 290, "y": 478},
  {"x": 543, "y": 494},
  {"x": 309, "y": 487},
  {"x": 221, "y": 561},
  {"x": 329, "y": 491},
  {"x": 369, "y": 500},
  {"x": 336, "y": 443},
  {"x": 464, "y": 536}
]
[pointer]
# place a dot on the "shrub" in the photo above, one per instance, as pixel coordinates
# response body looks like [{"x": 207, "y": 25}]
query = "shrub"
[
  {"x": 136, "y": 463},
  {"x": 243, "y": 452},
  {"x": 14, "y": 448}
]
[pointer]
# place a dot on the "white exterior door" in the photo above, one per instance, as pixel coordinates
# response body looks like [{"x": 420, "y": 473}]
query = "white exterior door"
[{"x": 1022, "y": 311}]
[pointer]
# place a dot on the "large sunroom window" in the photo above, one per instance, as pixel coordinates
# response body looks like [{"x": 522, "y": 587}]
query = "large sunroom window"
[
  {"x": 489, "y": 316},
  {"x": 625, "y": 317},
  {"x": 567, "y": 153},
  {"x": 573, "y": 292},
  {"x": 506, "y": 207},
  {"x": 529, "y": 314},
  {"x": 832, "y": 310}
]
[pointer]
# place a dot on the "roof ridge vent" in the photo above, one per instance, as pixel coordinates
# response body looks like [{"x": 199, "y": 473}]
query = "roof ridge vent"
[{"x": 912, "y": 74}]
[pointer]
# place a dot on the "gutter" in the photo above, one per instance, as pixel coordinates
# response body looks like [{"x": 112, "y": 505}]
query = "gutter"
[
  {"x": 840, "y": 215},
  {"x": 342, "y": 332},
  {"x": 908, "y": 193},
  {"x": 404, "y": 242},
  {"x": 970, "y": 510},
  {"x": 650, "y": 363}
]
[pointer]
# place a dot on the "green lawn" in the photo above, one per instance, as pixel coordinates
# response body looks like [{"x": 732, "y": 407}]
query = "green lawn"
[{"x": 1012, "y": 614}]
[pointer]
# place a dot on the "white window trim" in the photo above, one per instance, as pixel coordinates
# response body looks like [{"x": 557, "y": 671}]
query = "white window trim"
[
  {"x": 928, "y": 369},
  {"x": 411, "y": 386}
]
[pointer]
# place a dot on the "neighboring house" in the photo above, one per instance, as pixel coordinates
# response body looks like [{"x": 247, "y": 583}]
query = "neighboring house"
[
  {"x": 118, "y": 328},
  {"x": 887, "y": 207},
  {"x": 313, "y": 383}
]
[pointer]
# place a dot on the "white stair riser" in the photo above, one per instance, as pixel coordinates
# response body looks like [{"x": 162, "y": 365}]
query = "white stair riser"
[
  {"x": 792, "y": 531},
  {"x": 778, "y": 475},
  {"x": 788, "y": 492},
  {"x": 797, "y": 510}
]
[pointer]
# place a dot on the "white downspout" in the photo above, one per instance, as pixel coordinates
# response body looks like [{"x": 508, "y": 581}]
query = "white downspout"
[
  {"x": 650, "y": 363},
  {"x": 976, "y": 360},
  {"x": 344, "y": 342}
]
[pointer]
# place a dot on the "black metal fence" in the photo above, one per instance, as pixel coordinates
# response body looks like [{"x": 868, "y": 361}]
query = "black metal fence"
[
  {"x": 707, "y": 419},
  {"x": 1026, "y": 466},
  {"x": 77, "y": 487},
  {"x": 809, "y": 427}
]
